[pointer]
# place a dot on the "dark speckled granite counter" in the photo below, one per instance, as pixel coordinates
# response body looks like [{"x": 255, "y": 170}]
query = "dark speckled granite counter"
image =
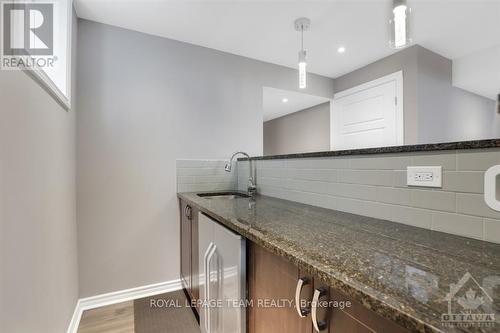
[
  {"x": 401, "y": 272},
  {"x": 459, "y": 145}
]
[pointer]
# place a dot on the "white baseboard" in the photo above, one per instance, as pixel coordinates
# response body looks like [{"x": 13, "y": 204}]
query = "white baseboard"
[{"x": 118, "y": 297}]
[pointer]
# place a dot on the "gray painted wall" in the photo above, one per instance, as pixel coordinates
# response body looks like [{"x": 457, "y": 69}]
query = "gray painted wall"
[
  {"x": 144, "y": 102},
  {"x": 447, "y": 113},
  {"x": 299, "y": 132},
  {"x": 38, "y": 250},
  {"x": 434, "y": 110}
]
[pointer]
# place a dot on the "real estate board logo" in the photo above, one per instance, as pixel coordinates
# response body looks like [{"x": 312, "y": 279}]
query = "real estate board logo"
[
  {"x": 469, "y": 304},
  {"x": 27, "y": 35}
]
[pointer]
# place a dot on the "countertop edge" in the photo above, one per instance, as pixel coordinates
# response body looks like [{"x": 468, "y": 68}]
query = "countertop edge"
[
  {"x": 364, "y": 297},
  {"x": 459, "y": 145}
]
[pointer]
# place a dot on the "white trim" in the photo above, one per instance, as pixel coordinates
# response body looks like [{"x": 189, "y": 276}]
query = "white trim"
[
  {"x": 75, "y": 319},
  {"x": 130, "y": 294},
  {"x": 118, "y": 297},
  {"x": 398, "y": 78},
  {"x": 45, "y": 81},
  {"x": 69, "y": 55}
]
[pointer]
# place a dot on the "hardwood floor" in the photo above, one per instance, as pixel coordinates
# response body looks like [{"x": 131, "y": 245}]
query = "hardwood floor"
[
  {"x": 139, "y": 317},
  {"x": 116, "y": 318}
]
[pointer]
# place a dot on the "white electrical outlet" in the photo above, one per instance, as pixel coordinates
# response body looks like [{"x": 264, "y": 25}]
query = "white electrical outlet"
[{"x": 424, "y": 176}]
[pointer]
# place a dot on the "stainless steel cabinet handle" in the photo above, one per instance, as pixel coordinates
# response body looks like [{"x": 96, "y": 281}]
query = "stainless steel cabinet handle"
[
  {"x": 303, "y": 312},
  {"x": 206, "y": 272},
  {"x": 318, "y": 325},
  {"x": 220, "y": 278},
  {"x": 188, "y": 212}
]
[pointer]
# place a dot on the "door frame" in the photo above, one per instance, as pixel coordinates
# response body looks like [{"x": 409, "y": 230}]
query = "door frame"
[{"x": 398, "y": 78}]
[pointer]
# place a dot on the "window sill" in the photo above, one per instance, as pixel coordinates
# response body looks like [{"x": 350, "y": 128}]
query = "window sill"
[{"x": 46, "y": 83}]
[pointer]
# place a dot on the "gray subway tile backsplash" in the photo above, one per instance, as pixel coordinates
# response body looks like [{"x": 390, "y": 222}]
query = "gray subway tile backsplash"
[
  {"x": 375, "y": 185},
  {"x": 388, "y": 162},
  {"x": 306, "y": 186},
  {"x": 355, "y": 191},
  {"x": 417, "y": 217},
  {"x": 478, "y": 160},
  {"x": 268, "y": 173},
  {"x": 397, "y": 196},
  {"x": 463, "y": 225},
  {"x": 448, "y": 160},
  {"x": 473, "y": 204},
  {"x": 317, "y": 163},
  {"x": 492, "y": 230},
  {"x": 367, "y": 177},
  {"x": 204, "y": 175},
  {"x": 400, "y": 178},
  {"x": 435, "y": 200},
  {"x": 463, "y": 181},
  {"x": 327, "y": 175}
]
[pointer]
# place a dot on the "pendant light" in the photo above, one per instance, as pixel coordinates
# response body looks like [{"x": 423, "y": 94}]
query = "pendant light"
[
  {"x": 302, "y": 24},
  {"x": 400, "y": 24}
]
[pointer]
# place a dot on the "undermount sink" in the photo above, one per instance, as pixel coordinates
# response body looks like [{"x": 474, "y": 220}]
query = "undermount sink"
[{"x": 223, "y": 195}]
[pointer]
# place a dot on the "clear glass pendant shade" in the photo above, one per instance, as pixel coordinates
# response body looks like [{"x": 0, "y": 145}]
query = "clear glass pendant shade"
[
  {"x": 399, "y": 25},
  {"x": 302, "y": 70}
]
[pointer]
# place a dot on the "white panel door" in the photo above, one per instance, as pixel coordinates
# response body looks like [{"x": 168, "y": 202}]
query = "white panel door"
[{"x": 370, "y": 115}]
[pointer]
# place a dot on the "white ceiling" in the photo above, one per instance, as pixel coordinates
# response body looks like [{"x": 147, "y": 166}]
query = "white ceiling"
[
  {"x": 274, "y": 107},
  {"x": 264, "y": 29}
]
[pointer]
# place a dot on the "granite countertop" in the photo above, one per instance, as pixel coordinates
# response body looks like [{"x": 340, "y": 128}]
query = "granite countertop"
[
  {"x": 401, "y": 272},
  {"x": 458, "y": 145}
]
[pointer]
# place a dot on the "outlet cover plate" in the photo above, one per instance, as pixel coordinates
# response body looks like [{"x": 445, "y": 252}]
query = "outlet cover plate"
[{"x": 424, "y": 176}]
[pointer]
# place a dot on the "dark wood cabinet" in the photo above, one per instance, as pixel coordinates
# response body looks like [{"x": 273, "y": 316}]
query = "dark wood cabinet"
[
  {"x": 195, "y": 288},
  {"x": 271, "y": 277},
  {"x": 274, "y": 284},
  {"x": 358, "y": 319},
  {"x": 189, "y": 249},
  {"x": 185, "y": 245}
]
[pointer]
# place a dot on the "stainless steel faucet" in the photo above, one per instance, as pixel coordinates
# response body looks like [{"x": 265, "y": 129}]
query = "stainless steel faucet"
[{"x": 252, "y": 189}]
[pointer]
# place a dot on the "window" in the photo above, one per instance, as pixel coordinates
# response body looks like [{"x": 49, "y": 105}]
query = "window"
[
  {"x": 58, "y": 77},
  {"x": 37, "y": 38}
]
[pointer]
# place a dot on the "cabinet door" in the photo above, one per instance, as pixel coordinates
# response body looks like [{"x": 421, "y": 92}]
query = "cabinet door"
[
  {"x": 272, "y": 278},
  {"x": 186, "y": 213},
  {"x": 358, "y": 319}
]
